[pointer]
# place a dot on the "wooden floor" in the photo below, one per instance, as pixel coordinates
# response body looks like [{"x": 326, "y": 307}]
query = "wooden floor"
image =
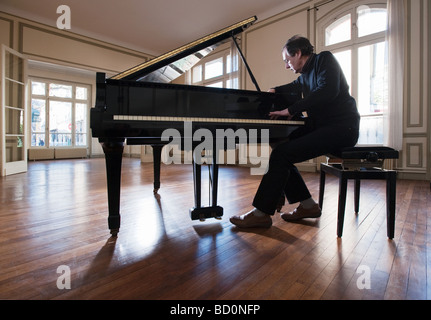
[{"x": 55, "y": 215}]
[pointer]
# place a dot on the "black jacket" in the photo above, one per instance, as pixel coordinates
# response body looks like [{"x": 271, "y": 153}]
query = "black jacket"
[{"x": 325, "y": 92}]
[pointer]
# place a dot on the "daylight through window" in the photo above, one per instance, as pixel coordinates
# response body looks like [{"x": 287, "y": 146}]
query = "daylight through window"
[
  {"x": 358, "y": 40},
  {"x": 59, "y": 113},
  {"x": 218, "y": 70}
]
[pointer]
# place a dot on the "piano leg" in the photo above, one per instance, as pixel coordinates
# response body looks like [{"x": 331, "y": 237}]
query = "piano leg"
[
  {"x": 218, "y": 211},
  {"x": 197, "y": 178},
  {"x": 113, "y": 158},
  {"x": 157, "y": 155},
  {"x": 214, "y": 183}
]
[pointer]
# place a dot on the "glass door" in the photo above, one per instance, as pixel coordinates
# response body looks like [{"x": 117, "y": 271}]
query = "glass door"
[{"x": 13, "y": 112}]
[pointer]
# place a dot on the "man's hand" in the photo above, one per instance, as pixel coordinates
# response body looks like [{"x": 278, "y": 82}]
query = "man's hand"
[
  {"x": 276, "y": 114},
  {"x": 283, "y": 113}
]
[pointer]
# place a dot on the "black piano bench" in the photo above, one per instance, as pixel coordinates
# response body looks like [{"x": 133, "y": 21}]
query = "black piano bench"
[{"x": 358, "y": 163}]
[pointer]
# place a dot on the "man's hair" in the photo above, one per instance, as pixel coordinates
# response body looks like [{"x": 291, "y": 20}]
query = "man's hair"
[{"x": 298, "y": 43}]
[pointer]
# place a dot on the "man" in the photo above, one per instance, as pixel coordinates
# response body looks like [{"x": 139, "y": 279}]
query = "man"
[{"x": 332, "y": 123}]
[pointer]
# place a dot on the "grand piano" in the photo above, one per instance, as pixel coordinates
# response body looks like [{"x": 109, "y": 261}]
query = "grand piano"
[{"x": 136, "y": 106}]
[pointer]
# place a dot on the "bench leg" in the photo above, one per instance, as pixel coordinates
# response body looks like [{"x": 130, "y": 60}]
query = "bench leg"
[
  {"x": 390, "y": 203},
  {"x": 341, "y": 205},
  {"x": 322, "y": 187},
  {"x": 357, "y": 192}
]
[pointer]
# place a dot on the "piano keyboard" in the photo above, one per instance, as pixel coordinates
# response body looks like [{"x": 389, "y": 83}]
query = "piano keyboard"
[{"x": 199, "y": 119}]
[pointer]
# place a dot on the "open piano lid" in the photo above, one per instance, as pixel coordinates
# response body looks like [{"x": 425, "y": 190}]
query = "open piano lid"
[{"x": 171, "y": 65}]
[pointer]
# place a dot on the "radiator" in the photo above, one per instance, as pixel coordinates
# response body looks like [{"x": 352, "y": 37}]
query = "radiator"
[
  {"x": 40, "y": 154},
  {"x": 56, "y": 153},
  {"x": 70, "y": 153}
]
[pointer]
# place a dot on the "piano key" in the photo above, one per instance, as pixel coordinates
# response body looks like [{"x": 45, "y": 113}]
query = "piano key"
[{"x": 210, "y": 120}]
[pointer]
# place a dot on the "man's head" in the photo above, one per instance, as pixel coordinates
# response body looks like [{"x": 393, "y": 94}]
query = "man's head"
[{"x": 296, "y": 52}]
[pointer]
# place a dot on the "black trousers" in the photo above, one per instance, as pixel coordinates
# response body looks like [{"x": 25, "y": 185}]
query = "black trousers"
[{"x": 304, "y": 144}]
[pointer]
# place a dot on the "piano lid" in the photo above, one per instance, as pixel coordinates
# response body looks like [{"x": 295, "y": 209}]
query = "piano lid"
[{"x": 171, "y": 65}]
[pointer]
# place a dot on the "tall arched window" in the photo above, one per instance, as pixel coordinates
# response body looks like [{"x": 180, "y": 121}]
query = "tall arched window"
[{"x": 357, "y": 38}]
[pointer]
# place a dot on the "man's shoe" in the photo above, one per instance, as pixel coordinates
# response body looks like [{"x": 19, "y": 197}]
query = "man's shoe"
[
  {"x": 249, "y": 220},
  {"x": 302, "y": 213}
]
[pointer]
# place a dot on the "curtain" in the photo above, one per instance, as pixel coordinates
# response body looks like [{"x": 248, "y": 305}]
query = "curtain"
[{"x": 393, "y": 117}]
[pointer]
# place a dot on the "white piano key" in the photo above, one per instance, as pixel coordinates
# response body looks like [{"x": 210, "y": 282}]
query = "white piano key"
[{"x": 198, "y": 119}]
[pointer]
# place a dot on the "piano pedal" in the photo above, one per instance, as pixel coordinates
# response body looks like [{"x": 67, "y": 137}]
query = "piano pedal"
[{"x": 203, "y": 213}]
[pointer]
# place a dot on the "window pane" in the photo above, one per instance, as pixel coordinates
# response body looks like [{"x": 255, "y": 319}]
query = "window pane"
[
  {"x": 81, "y": 118},
  {"x": 38, "y": 115},
  {"x": 14, "y": 67},
  {"x": 38, "y": 122},
  {"x": 14, "y": 121},
  {"x": 60, "y": 123},
  {"x": 197, "y": 74},
  {"x": 338, "y": 31},
  {"x": 232, "y": 83},
  {"x": 81, "y": 139},
  {"x": 344, "y": 58},
  {"x": 14, "y": 148},
  {"x": 38, "y": 88},
  {"x": 371, "y": 130},
  {"x": 37, "y": 139},
  {"x": 216, "y": 85},
  {"x": 214, "y": 68},
  {"x": 81, "y": 93},
  {"x": 60, "y": 90},
  {"x": 231, "y": 65},
  {"x": 371, "y": 20},
  {"x": 372, "y": 79},
  {"x": 14, "y": 94}
]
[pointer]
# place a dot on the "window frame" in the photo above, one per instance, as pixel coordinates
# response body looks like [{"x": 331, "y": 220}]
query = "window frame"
[
  {"x": 224, "y": 78},
  {"x": 353, "y": 44},
  {"x": 74, "y": 102}
]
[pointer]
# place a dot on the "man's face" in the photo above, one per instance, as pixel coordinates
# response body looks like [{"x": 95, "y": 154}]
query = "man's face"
[{"x": 292, "y": 63}]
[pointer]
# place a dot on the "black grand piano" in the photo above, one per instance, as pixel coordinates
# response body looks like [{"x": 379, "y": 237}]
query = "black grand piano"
[{"x": 136, "y": 106}]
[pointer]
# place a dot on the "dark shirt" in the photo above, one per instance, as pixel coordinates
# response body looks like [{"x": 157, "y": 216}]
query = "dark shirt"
[{"x": 325, "y": 92}]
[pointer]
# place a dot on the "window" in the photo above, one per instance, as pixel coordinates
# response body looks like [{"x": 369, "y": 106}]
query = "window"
[
  {"x": 357, "y": 38},
  {"x": 218, "y": 70},
  {"x": 59, "y": 113}
]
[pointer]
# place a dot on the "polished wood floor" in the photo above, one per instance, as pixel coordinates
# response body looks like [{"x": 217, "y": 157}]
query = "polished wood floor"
[{"x": 55, "y": 215}]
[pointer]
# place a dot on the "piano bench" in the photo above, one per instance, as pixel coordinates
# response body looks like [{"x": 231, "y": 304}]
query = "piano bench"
[{"x": 358, "y": 163}]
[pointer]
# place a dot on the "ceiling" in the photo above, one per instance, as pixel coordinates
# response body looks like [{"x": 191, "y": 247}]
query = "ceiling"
[{"x": 149, "y": 26}]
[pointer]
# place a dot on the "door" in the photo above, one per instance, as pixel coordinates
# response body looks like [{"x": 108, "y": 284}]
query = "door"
[{"x": 13, "y": 112}]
